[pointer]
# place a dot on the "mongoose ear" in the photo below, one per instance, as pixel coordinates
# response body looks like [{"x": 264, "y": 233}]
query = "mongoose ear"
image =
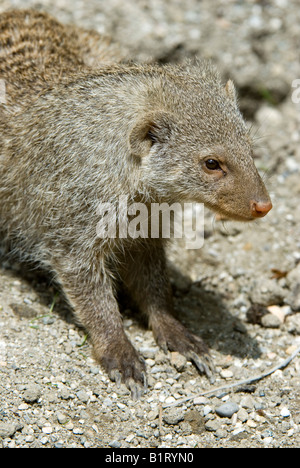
[
  {"x": 231, "y": 91},
  {"x": 152, "y": 128}
]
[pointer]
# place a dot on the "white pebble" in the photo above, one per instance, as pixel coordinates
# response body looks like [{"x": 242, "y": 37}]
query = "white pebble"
[
  {"x": 23, "y": 406},
  {"x": 206, "y": 410},
  {"x": 268, "y": 440},
  {"x": 226, "y": 374},
  {"x": 47, "y": 430},
  {"x": 169, "y": 400},
  {"x": 285, "y": 412},
  {"x": 77, "y": 430}
]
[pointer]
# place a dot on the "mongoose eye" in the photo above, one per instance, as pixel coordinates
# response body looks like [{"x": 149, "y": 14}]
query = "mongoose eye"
[{"x": 212, "y": 164}]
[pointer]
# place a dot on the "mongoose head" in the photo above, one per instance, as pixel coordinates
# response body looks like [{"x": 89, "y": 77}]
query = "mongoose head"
[{"x": 194, "y": 145}]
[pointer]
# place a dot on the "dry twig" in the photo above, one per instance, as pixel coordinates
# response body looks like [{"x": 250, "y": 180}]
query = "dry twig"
[{"x": 215, "y": 390}]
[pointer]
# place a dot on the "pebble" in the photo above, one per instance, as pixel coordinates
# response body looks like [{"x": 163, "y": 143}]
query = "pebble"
[
  {"x": 280, "y": 312},
  {"x": 7, "y": 429},
  {"x": 226, "y": 374},
  {"x": 227, "y": 409},
  {"x": 32, "y": 393},
  {"x": 213, "y": 425},
  {"x": 267, "y": 292},
  {"x": 47, "y": 430},
  {"x": 178, "y": 361},
  {"x": 200, "y": 400},
  {"x": 107, "y": 402},
  {"x": 169, "y": 400},
  {"x": 77, "y": 430},
  {"x": 242, "y": 415},
  {"x": 62, "y": 418},
  {"x": 206, "y": 410},
  {"x": 115, "y": 444},
  {"x": 270, "y": 321},
  {"x": 268, "y": 440},
  {"x": 285, "y": 412},
  {"x": 173, "y": 416},
  {"x": 83, "y": 396},
  {"x": 247, "y": 402}
]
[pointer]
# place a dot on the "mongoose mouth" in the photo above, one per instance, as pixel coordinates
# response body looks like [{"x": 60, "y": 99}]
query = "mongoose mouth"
[
  {"x": 258, "y": 209},
  {"x": 226, "y": 216}
]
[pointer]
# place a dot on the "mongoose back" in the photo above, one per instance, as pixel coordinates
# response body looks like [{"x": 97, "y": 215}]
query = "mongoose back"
[{"x": 76, "y": 132}]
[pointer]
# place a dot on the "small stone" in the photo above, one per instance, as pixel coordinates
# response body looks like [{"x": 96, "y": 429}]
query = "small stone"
[
  {"x": 47, "y": 430},
  {"x": 280, "y": 312},
  {"x": 242, "y": 415},
  {"x": 115, "y": 444},
  {"x": 178, "y": 361},
  {"x": 169, "y": 400},
  {"x": 62, "y": 418},
  {"x": 268, "y": 440},
  {"x": 200, "y": 400},
  {"x": 266, "y": 433},
  {"x": 32, "y": 393},
  {"x": 270, "y": 321},
  {"x": 247, "y": 402},
  {"x": 107, "y": 402},
  {"x": 221, "y": 433},
  {"x": 23, "y": 407},
  {"x": 152, "y": 415},
  {"x": 226, "y": 374},
  {"x": 227, "y": 409},
  {"x": 212, "y": 425},
  {"x": 206, "y": 410},
  {"x": 77, "y": 430},
  {"x": 173, "y": 416},
  {"x": 83, "y": 396},
  {"x": 285, "y": 412},
  {"x": 59, "y": 444},
  {"x": 267, "y": 292},
  {"x": 7, "y": 429},
  {"x": 251, "y": 423},
  {"x": 130, "y": 438}
]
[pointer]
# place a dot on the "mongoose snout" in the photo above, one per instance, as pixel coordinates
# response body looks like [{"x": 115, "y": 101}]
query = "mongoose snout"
[
  {"x": 78, "y": 127},
  {"x": 259, "y": 209}
]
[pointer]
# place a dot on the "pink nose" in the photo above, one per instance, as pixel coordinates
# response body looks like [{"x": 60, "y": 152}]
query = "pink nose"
[{"x": 260, "y": 209}]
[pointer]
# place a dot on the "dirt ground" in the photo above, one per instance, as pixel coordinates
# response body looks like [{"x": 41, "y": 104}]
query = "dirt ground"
[{"x": 240, "y": 291}]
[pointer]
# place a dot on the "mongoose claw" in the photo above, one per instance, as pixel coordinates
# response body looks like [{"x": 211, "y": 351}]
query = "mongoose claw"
[
  {"x": 136, "y": 389},
  {"x": 116, "y": 376},
  {"x": 171, "y": 335},
  {"x": 125, "y": 365},
  {"x": 205, "y": 366}
]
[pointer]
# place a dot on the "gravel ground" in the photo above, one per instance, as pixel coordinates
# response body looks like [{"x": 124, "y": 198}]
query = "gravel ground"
[{"x": 240, "y": 292}]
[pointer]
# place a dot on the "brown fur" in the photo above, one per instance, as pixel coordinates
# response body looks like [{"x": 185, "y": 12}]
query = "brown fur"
[
  {"x": 36, "y": 51},
  {"x": 98, "y": 131}
]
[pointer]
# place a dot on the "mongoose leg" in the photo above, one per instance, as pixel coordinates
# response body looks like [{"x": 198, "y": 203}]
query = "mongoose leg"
[
  {"x": 147, "y": 281},
  {"x": 97, "y": 310}
]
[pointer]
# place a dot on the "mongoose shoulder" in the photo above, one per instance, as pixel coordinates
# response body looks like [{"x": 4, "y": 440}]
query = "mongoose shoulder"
[{"x": 99, "y": 131}]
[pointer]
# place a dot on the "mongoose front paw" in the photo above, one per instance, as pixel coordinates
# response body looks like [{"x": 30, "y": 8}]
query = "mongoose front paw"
[
  {"x": 124, "y": 364},
  {"x": 171, "y": 335}
]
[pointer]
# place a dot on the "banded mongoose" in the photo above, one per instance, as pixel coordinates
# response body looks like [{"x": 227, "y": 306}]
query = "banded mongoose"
[{"x": 78, "y": 127}]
